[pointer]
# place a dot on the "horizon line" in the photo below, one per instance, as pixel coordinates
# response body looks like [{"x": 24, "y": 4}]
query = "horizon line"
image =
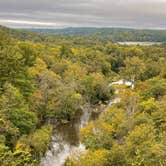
[{"x": 95, "y": 27}]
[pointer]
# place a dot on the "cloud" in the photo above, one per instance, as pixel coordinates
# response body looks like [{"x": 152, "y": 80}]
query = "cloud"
[{"x": 100, "y": 13}]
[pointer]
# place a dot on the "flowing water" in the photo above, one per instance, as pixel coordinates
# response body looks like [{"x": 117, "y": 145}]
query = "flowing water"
[{"x": 66, "y": 139}]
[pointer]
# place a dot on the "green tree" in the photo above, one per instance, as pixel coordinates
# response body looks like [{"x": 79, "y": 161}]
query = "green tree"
[{"x": 133, "y": 69}]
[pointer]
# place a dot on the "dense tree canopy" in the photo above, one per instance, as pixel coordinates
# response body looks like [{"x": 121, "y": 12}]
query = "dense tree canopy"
[{"x": 56, "y": 77}]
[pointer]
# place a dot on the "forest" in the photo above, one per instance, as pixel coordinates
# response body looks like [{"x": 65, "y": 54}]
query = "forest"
[
  {"x": 115, "y": 34},
  {"x": 46, "y": 78}
]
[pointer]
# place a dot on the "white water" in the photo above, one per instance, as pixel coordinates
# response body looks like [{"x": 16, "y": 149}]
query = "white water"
[
  {"x": 65, "y": 140},
  {"x": 61, "y": 148}
]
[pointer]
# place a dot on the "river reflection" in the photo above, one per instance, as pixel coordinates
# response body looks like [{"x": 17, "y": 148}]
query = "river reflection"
[{"x": 66, "y": 140}]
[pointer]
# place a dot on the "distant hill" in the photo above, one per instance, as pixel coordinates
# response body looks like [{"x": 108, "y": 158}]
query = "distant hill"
[
  {"x": 102, "y": 34},
  {"x": 22, "y": 34},
  {"x": 35, "y": 35},
  {"x": 116, "y": 34}
]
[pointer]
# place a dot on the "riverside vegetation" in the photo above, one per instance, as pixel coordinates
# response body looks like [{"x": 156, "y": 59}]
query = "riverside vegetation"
[{"x": 45, "y": 78}]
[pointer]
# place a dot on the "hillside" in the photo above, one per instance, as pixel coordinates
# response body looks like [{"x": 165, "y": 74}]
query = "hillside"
[
  {"x": 23, "y": 35},
  {"x": 92, "y": 34},
  {"x": 35, "y": 35},
  {"x": 116, "y": 34}
]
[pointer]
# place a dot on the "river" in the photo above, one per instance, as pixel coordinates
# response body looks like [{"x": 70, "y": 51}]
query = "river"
[{"x": 66, "y": 139}]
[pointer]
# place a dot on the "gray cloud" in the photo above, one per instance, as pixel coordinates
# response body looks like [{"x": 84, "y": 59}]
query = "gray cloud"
[{"x": 100, "y": 13}]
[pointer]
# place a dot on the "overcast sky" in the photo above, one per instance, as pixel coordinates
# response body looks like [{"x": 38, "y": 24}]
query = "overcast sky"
[{"x": 83, "y": 13}]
